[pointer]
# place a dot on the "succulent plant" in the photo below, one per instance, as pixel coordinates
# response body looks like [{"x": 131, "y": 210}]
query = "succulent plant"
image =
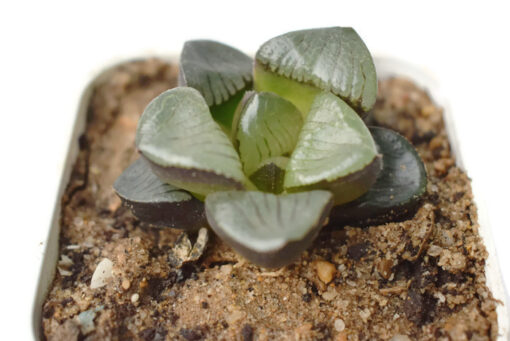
[{"x": 266, "y": 152}]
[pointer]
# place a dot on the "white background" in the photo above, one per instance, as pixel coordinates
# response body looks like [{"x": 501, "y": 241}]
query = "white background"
[{"x": 49, "y": 49}]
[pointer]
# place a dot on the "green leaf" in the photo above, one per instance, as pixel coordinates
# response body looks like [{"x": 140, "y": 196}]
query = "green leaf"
[
  {"x": 156, "y": 202},
  {"x": 270, "y": 174},
  {"x": 219, "y": 72},
  {"x": 300, "y": 94},
  {"x": 186, "y": 148},
  {"x": 267, "y": 126},
  {"x": 224, "y": 112},
  {"x": 269, "y": 230},
  {"x": 333, "y": 59},
  {"x": 399, "y": 188},
  {"x": 335, "y": 151}
]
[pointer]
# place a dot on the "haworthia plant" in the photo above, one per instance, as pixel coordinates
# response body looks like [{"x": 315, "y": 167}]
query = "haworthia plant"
[
  {"x": 155, "y": 202},
  {"x": 271, "y": 164},
  {"x": 219, "y": 72},
  {"x": 399, "y": 187},
  {"x": 186, "y": 148},
  {"x": 297, "y": 65},
  {"x": 270, "y": 230},
  {"x": 334, "y": 151}
]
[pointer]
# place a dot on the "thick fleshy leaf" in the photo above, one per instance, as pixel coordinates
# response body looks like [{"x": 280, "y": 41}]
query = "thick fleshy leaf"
[
  {"x": 156, "y": 202},
  {"x": 267, "y": 126},
  {"x": 399, "y": 187},
  {"x": 300, "y": 94},
  {"x": 219, "y": 72},
  {"x": 269, "y": 230},
  {"x": 185, "y": 146},
  {"x": 270, "y": 174},
  {"x": 224, "y": 113},
  {"x": 335, "y": 151},
  {"x": 333, "y": 59}
]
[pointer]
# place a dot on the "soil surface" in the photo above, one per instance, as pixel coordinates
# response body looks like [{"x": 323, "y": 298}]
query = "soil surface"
[{"x": 418, "y": 279}]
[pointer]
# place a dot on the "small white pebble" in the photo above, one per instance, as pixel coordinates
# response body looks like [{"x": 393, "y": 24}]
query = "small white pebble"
[
  {"x": 102, "y": 273},
  {"x": 73, "y": 247},
  {"x": 226, "y": 269},
  {"x": 434, "y": 250},
  {"x": 65, "y": 261},
  {"x": 339, "y": 325},
  {"x": 351, "y": 283},
  {"x": 63, "y": 272},
  {"x": 440, "y": 297},
  {"x": 135, "y": 298},
  {"x": 365, "y": 314},
  {"x": 329, "y": 295}
]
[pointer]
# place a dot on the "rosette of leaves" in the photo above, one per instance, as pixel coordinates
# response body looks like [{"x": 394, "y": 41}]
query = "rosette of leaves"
[{"x": 263, "y": 151}]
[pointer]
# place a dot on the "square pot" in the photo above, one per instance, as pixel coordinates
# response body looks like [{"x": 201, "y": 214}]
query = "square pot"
[{"x": 385, "y": 67}]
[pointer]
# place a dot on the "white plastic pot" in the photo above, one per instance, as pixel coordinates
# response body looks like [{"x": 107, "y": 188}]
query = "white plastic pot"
[{"x": 385, "y": 67}]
